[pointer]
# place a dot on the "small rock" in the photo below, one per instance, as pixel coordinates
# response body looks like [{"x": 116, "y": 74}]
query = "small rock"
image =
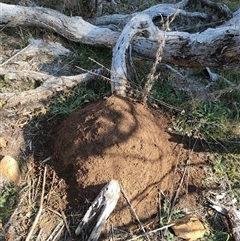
[
  {"x": 3, "y": 142},
  {"x": 189, "y": 228},
  {"x": 9, "y": 170}
]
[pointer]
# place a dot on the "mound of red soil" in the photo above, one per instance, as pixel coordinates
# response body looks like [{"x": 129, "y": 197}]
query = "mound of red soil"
[{"x": 116, "y": 138}]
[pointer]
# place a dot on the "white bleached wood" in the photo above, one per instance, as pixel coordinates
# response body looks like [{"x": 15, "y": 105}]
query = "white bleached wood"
[
  {"x": 212, "y": 47},
  {"x": 141, "y": 24},
  {"x": 165, "y": 10},
  {"x": 51, "y": 86},
  {"x": 100, "y": 209},
  {"x": 231, "y": 212},
  {"x": 73, "y": 28}
]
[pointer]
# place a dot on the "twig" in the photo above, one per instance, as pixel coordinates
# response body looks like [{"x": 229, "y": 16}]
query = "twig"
[
  {"x": 40, "y": 207},
  {"x": 219, "y": 143},
  {"x": 152, "y": 231},
  {"x": 188, "y": 164},
  {"x": 112, "y": 232},
  {"x": 47, "y": 159},
  {"x": 175, "y": 169},
  {"x": 161, "y": 102},
  {"x": 93, "y": 73},
  {"x": 99, "y": 64},
  {"x": 65, "y": 222},
  {"x": 135, "y": 214},
  {"x": 56, "y": 229},
  {"x": 181, "y": 182},
  {"x": 35, "y": 192},
  {"x": 18, "y": 53},
  {"x": 59, "y": 231},
  {"x": 151, "y": 75},
  {"x": 177, "y": 192},
  {"x": 173, "y": 70},
  {"x": 57, "y": 213},
  {"x": 39, "y": 235},
  {"x": 50, "y": 189}
]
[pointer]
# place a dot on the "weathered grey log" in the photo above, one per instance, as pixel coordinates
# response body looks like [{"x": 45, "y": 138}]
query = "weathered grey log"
[
  {"x": 73, "y": 28},
  {"x": 138, "y": 25},
  {"x": 51, "y": 86},
  {"x": 100, "y": 210},
  {"x": 164, "y": 10},
  {"x": 213, "y": 47}
]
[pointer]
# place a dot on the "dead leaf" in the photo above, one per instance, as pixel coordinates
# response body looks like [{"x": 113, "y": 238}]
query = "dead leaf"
[
  {"x": 3, "y": 142},
  {"x": 189, "y": 228}
]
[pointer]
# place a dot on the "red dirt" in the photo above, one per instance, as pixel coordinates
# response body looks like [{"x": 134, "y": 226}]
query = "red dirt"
[{"x": 116, "y": 138}]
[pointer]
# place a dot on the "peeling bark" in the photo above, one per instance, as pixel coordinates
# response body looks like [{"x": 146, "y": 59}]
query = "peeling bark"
[
  {"x": 141, "y": 24},
  {"x": 213, "y": 47},
  {"x": 50, "y": 87},
  {"x": 165, "y": 10}
]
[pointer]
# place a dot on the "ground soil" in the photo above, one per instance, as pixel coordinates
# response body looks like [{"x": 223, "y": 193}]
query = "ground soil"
[
  {"x": 117, "y": 138},
  {"x": 112, "y": 138}
]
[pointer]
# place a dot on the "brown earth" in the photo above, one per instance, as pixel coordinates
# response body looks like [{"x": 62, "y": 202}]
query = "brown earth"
[{"x": 117, "y": 138}]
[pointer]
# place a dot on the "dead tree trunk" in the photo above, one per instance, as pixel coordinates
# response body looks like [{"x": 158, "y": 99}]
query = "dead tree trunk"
[{"x": 213, "y": 47}]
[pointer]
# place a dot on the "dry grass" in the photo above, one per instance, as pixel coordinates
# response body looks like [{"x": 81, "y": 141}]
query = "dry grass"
[{"x": 41, "y": 202}]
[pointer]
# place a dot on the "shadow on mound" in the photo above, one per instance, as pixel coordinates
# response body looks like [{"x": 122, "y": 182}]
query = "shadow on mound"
[{"x": 115, "y": 138}]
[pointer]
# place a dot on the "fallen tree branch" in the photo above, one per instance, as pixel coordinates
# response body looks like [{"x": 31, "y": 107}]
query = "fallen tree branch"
[
  {"x": 100, "y": 210},
  {"x": 51, "y": 85},
  {"x": 141, "y": 24},
  {"x": 72, "y": 28},
  {"x": 164, "y": 10},
  {"x": 134, "y": 212},
  {"x": 213, "y": 47}
]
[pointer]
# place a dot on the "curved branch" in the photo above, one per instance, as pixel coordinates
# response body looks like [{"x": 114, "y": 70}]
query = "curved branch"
[
  {"x": 166, "y": 10},
  {"x": 140, "y": 24},
  {"x": 51, "y": 85},
  {"x": 213, "y": 47},
  {"x": 73, "y": 28}
]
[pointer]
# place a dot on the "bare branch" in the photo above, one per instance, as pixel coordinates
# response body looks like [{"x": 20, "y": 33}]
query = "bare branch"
[
  {"x": 141, "y": 24},
  {"x": 213, "y": 47},
  {"x": 51, "y": 85}
]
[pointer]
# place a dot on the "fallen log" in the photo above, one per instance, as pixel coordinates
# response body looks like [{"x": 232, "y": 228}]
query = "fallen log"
[{"x": 213, "y": 47}]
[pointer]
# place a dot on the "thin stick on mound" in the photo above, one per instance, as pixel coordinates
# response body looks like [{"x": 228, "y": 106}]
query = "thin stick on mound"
[
  {"x": 135, "y": 214},
  {"x": 40, "y": 207}
]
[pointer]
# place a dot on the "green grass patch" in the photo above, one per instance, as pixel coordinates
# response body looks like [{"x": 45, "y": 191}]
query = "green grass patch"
[
  {"x": 8, "y": 201},
  {"x": 210, "y": 119},
  {"x": 99, "y": 56},
  {"x": 233, "y": 5},
  {"x": 166, "y": 92},
  {"x": 213, "y": 117},
  {"x": 75, "y": 99},
  {"x": 226, "y": 170},
  {"x": 217, "y": 235}
]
